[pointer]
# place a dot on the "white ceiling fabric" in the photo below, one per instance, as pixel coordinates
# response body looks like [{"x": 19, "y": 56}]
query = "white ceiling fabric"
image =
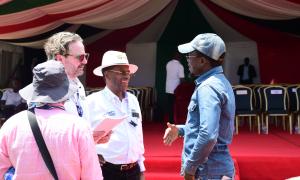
[{"x": 262, "y": 9}]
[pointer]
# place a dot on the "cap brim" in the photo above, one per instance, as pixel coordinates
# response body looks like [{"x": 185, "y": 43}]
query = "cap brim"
[
  {"x": 185, "y": 48},
  {"x": 132, "y": 68}
]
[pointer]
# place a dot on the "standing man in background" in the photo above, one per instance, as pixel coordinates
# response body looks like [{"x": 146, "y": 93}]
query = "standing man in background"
[
  {"x": 246, "y": 72},
  {"x": 11, "y": 101},
  {"x": 210, "y": 120},
  {"x": 175, "y": 76},
  {"x": 122, "y": 157}
]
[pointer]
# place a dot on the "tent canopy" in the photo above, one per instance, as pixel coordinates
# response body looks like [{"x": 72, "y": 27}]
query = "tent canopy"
[{"x": 267, "y": 31}]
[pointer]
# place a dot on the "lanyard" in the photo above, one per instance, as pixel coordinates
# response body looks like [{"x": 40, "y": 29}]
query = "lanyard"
[{"x": 78, "y": 106}]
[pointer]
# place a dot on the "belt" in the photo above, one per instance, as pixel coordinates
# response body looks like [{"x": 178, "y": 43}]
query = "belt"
[{"x": 121, "y": 167}]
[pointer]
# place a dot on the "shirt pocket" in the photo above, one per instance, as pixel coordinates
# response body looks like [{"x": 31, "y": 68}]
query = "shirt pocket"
[
  {"x": 193, "y": 118},
  {"x": 192, "y": 107}
]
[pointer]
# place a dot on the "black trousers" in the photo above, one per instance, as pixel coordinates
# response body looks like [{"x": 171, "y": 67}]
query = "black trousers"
[
  {"x": 170, "y": 106},
  {"x": 249, "y": 81},
  {"x": 110, "y": 172}
]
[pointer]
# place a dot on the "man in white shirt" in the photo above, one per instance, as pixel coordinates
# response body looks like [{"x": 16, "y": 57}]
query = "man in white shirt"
[
  {"x": 68, "y": 48},
  {"x": 122, "y": 157},
  {"x": 175, "y": 75}
]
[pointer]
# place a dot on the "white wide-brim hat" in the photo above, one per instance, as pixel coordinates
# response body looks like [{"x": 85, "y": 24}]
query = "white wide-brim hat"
[{"x": 114, "y": 58}]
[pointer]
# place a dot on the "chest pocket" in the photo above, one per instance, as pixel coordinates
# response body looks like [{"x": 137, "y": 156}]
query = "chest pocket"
[
  {"x": 192, "y": 106},
  {"x": 193, "y": 116}
]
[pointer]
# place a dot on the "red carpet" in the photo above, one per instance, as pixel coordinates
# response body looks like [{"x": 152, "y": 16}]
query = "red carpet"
[
  {"x": 162, "y": 162},
  {"x": 274, "y": 156}
]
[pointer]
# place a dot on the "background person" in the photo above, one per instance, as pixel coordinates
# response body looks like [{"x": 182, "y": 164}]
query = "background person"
[
  {"x": 246, "y": 72},
  {"x": 67, "y": 136},
  {"x": 122, "y": 157},
  {"x": 11, "y": 101},
  {"x": 175, "y": 76},
  {"x": 210, "y": 119}
]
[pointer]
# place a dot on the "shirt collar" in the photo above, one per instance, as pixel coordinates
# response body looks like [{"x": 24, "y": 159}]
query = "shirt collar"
[
  {"x": 111, "y": 95},
  {"x": 213, "y": 71}
]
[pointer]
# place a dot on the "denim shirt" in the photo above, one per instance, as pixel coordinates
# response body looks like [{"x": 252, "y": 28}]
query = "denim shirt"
[{"x": 209, "y": 127}]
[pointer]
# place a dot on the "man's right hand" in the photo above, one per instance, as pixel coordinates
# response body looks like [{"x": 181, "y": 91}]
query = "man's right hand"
[{"x": 171, "y": 134}]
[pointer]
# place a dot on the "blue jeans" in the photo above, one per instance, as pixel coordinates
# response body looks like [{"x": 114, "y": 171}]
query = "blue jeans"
[{"x": 213, "y": 178}]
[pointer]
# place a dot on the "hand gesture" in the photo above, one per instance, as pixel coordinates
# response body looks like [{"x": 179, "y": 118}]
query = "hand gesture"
[{"x": 171, "y": 134}]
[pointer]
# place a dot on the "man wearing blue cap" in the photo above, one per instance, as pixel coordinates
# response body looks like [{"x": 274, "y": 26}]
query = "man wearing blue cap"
[{"x": 210, "y": 120}]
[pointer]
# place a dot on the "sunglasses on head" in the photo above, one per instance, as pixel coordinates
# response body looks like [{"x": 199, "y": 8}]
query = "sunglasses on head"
[{"x": 80, "y": 57}]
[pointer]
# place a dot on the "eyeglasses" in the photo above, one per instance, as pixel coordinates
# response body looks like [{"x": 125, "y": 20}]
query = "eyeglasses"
[
  {"x": 80, "y": 57},
  {"x": 190, "y": 56},
  {"x": 123, "y": 73}
]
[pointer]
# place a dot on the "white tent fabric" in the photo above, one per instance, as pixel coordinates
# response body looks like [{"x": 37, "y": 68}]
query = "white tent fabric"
[
  {"x": 31, "y": 31},
  {"x": 120, "y": 16},
  {"x": 237, "y": 46},
  {"x": 40, "y": 43},
  {"x": 142, "y": 49},
  {"x": 29, "y": 27},
  {"x": 220, "y": 27},
  {"x": 117, "y": 14},
  {"x": 101, "y": 14},
  {"x": 262, "y": 9}
]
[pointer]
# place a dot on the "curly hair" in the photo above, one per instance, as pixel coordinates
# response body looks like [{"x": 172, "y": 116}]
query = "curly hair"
[{"x": 59, "y": 43}]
